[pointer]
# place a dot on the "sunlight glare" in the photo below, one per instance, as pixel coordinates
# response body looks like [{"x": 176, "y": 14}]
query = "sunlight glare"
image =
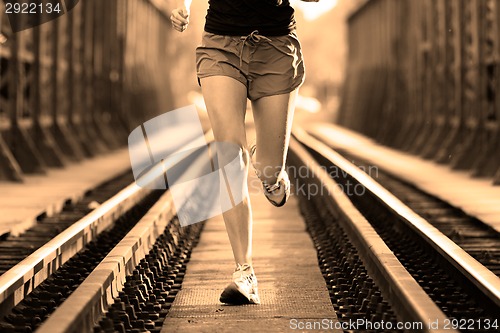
[
  {"x": 313, "y": 10},
  {"x": 308, "y": 104}
]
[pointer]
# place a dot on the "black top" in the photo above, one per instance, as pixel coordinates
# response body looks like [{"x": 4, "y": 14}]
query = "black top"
[{"x": 242, "y": 17}]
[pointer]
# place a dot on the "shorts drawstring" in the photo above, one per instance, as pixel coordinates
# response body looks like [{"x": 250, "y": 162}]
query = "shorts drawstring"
[{"x": 253, "y": 38}]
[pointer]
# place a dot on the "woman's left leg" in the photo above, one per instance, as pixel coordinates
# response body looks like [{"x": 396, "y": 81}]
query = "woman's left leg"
[{"x": 273, "y": 116}]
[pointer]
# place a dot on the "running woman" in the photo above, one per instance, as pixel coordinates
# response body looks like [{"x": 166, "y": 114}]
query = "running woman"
[{"x": 249, "y": 49}]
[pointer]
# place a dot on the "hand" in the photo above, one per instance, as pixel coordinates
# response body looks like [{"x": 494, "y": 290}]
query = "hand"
[{"x": 180, "y": 19}]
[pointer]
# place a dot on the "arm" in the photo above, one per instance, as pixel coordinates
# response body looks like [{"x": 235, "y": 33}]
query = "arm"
[{"x": 180, "y": 15}]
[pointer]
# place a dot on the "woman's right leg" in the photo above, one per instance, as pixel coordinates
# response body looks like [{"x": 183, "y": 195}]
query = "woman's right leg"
[{"x": 226, "y": 100}]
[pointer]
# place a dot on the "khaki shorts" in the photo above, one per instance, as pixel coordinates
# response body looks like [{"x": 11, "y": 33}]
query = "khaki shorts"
[{"x": 265, "y": 65}]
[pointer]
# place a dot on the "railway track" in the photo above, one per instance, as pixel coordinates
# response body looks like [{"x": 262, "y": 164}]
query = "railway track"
[
  {"x": 35, "y": 286},
  {"x": 466, "y": 292},
  {"x": 386, "y": 267},
  {"x": 136, "y": 282},
  {"x": 476, "y": 238},
  {"x": 133, "y": 286},
  {"x": 15, "y": 248},
  {"x": 60, "y": 261}
]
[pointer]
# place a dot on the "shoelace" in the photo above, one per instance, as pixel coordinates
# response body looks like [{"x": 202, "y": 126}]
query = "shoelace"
[
  {"x": 241, "y": 269},
  {"x": 272, "y": 188}
]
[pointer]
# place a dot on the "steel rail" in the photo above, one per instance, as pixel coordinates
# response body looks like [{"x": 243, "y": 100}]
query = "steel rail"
[
  {"x": 485, "y": 280},
  {"x": 20, "y": 280},
  {"x": 409, "y": 300},
  {"x": 81, "y": 311}
]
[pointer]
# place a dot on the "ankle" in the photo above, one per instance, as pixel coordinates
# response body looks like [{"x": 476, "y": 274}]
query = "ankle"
[
  {"x": 247, "y": 263},
  {"x": 269, "y": 179},
  {"x": 243, "y": 267}
]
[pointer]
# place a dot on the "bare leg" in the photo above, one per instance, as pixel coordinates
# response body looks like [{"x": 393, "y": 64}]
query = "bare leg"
[
  {"x": 273, "y": 117},
  {"x": 225, "y": 99}
]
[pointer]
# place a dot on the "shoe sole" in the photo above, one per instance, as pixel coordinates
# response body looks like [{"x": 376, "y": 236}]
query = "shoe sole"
[
  {"x": 232, "y": 295},
  {"x": 282, "y": 202}
]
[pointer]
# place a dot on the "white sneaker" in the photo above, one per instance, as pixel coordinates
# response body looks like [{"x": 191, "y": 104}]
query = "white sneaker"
[{"x": 243, "y": 289}]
